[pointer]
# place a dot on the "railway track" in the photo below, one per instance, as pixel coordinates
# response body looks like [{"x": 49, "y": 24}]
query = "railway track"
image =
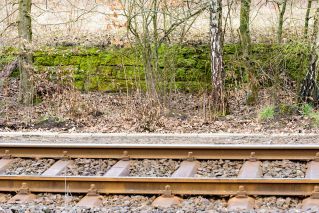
[{"x": 248, "y": 183}]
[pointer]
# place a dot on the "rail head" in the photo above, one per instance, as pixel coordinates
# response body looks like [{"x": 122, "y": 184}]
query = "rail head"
[
  {"x": 161, "y": 151},
  {"x": 160, "y": 146}
]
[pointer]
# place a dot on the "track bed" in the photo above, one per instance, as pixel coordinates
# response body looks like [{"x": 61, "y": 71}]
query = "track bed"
[{"x": 274, "y": 177}]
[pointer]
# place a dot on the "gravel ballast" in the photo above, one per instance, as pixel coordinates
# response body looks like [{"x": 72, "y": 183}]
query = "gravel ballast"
[
  {"x": 219, "y": 169},
  {"x": 4, "y": 197},
  {"x": 144, "y": 204},
  {"x": 153, "y": 168},
  {"x": 284, "y": 169},
  {"x": 28, "y": 166},
  {"x": 89, "y": 167},
  {"x": 45, "y": 203},
  {"x": 130, "y": 204},
  {"x": 115, "y": 204},
  {"x": 278, "y": 204}
]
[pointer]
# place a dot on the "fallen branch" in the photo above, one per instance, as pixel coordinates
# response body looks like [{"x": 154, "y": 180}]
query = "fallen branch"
[{"x": 8, "y": 69}]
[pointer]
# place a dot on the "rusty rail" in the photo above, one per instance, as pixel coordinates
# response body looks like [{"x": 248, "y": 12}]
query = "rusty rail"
[
  {"x": 143, "y": 185},
  {"x": 133, "y": 185},
  {"x": 151, "y": 151}
]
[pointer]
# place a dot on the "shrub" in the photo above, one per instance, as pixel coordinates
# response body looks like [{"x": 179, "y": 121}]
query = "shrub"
[
  {"x": 267, "y": 113},
  {"x": 306, "y": 109},
  {"x": 314, "y": 116}
]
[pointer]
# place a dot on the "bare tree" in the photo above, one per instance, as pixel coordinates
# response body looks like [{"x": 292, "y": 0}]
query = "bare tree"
[
  {"x": 309, "y": 88},
  {"x": 245, "y": 40},
  {"x": 25, "y": 57},
  {"x": 152, "y": 22},
  {"x": 244, "y": 26},
  {"x": 282, "y": 5},
  {"x": 217, "y": 69},
  {"x": 307, "y": 18}
]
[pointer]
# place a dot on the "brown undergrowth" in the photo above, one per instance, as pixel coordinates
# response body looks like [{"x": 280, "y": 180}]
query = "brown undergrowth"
[{"x": 62, "y": 108}]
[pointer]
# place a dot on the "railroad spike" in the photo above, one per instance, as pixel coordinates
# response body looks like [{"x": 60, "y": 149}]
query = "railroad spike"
[
  {"x": 241, "y": 201},
  {"x": 92, "y": 190},
  {"x": 241, "y": 192},
  {"x": 7, "y": 154},
  {"x": 23, "y": 196},
  {"x": 92, "y": 199},
  {"x": 65, "y": 155},
  {"x": 190, "y": 156},
  {"x": 252, "y": 157},
  {"x": 125, "y": 156},
  {"x": 167, "y": 199},
  {"x": 24, "y": 189},
  {"x": 167, "y": 192}
]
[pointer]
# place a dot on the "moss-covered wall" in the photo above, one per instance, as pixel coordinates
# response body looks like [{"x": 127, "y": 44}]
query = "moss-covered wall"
[{"x": 115, "y": 69}]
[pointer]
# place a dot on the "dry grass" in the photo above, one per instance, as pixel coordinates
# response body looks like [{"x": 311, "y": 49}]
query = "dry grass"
[{"x": 72, "y": 111}]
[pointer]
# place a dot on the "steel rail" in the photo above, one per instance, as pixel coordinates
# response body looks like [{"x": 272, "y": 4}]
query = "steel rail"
[
  {"x": 182, "y": 186},
  {"x": 160, "y": 151}
]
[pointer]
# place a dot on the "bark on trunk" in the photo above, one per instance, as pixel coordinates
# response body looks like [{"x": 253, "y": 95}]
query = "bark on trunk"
[
  {"x": 217, "y": 69},
  {"x": 25, "y": 58},
  {"x": 245, "y": 39},
  {"x": 309, "y": 88},
  {"x": 282, "y": 11},
  {"x": 244, "y": 26},
  {"x": 307, "y": 18}
]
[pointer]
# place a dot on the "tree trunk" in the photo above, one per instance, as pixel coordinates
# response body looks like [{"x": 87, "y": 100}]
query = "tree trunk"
[
  {"x": 25, "y": 58},
  {"x": 309, "y": 89},
  {"x": 306, "y": 27},
  {"x": 282, "y": 11},
  {"x": 244, "y": 26},
  {"x": 246, "y": 48},
  {"x": 217, "y": 69}
]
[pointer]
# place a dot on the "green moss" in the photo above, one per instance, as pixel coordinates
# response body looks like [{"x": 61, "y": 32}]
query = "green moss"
[
  {"x": 15, "y": 73},
  {"x": 90, "y": 63},
  {"x": 231, "y": 49},
  {"x": 103, "y": 69},
  {"x": 79, "y": 85},
  {"x": 184, "y": 74},
  {"x": 113, "y": 85},
  {"x": 93, "y": 51},
  {"x": 129, "y": 72},
  {"x": 295, "y": 58},
  {"x": 62, "y": 60},
  {"x": 92, "y": 83},
  {"x": 106, "y": 58},
  {"x": 4, "y": 60},
  {"x": 44, "y": 60},
  {"x": 108, "y": 71},
  {"x": 75, "y": 60}
]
